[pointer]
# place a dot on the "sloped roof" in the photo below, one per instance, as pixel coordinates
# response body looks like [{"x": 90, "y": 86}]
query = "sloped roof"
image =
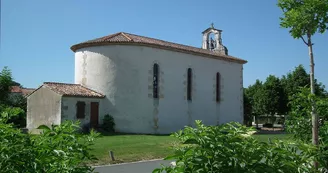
[
  {"x": 23, "y": 91},
  {"x": 131, "y": 39},
  {"x": 208, "y": 29},
  {"x": 73, "y": 90}
]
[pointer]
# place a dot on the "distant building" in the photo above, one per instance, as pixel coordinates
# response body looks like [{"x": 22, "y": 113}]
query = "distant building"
[
  {"x": 17, "y": 90},
  {"x": 148, "y": 85}
]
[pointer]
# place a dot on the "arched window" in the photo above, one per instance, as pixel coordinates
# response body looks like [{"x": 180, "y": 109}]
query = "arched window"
[
  {"x": 189, "y": 84},
  {"x": 155, "y": 80},
  {"x": 218, "y": 87}
]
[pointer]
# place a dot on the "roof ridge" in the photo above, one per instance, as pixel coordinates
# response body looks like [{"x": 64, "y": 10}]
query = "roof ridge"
[
  {"x": 177, "y": 44},
  {"x": 110, "y": 36},
  {"x": 49, "y": 87},
  {"x": 35, "y": 90},
  {"x": 67, "y": 89},
  {"x": 156, "y": 39},
  {"x": 91, "y": 90},
  {"x": 29, "y": 88},
  {"x": 130, "y": 39},
  {"x": 169, "y": 42},
  {"x": 60, "y": 83}
]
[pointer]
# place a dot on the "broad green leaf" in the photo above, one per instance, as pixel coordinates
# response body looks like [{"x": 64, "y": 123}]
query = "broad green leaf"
[
  {"x": 191, "y": 141},
  {"x": 43, "y": 127}
]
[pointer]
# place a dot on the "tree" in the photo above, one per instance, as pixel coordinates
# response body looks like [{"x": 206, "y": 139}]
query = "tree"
[
  {"x": 247, "y": 109},
  {"x": 254, "y": 94},
  {"x": 299, "y": 78},
  {"x": 273, "y": 97},
  {"x": 6, "y": 82},
  {"x": 299, "y": 122},
  {"x": 304, "y": 18},
  {"x": 12, "y": 102}
]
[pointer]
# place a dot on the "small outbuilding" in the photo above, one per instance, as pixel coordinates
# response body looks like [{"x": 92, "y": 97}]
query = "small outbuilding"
[{"x": 53, "y": 103}]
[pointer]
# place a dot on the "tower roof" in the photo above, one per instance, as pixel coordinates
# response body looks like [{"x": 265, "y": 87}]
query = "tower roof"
[{"x": 210, "y": 28}]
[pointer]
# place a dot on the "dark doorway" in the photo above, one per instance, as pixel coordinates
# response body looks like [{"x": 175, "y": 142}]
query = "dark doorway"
[{"x": 94, "y": 114}]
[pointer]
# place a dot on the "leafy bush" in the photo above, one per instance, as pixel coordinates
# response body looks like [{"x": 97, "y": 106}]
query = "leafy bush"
[
  {"x": 231, "y": 148},
  {"x": 17, "y": 100},
  {"x": 14, "y": 115},
  {"x": 299, "y": 121},
  {"x": 86, "y": 128},
  {"x": 108, "y": 123},
  {"x": 323, "y": 147},
  {"x": 57, "y": 149},
  {"x": 6, "y": 82}
]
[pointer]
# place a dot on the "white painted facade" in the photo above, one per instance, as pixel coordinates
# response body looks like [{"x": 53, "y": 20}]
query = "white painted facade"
[
  {"x": 46, "y": 107},
  {"x": 43, "y": 108},
  {"x": 68, "y": 109},
  {"x": 124, "y": 74}
]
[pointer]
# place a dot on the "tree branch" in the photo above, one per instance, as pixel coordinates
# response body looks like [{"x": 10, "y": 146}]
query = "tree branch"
[{"x": 304, "y": 41}]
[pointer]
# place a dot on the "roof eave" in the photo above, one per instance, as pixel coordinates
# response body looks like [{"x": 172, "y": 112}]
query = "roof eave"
[
  {"x": 75, "y": 47},
  {"x": 211, "y": 29},
  {"x": 83, "y": 96}
]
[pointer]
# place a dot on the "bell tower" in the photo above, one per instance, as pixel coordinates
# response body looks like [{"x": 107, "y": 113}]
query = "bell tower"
[{"x": 213, "y": 44}]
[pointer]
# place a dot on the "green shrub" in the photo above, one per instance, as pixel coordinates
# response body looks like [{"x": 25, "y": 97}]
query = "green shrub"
[
  {"x": 108, "y": 123},
  {"x": 299, "y": 121},
  {"x": 231, "y": 148},
  {"x": 57, "y": 149},
  {"x": 14, "y": 115}
]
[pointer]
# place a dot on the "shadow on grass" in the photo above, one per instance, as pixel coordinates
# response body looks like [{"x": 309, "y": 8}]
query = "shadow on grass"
[{"x": 105, "y": 133}]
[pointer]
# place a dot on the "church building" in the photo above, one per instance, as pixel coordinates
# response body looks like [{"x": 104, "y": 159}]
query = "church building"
[{"x": 148, "y": 85}]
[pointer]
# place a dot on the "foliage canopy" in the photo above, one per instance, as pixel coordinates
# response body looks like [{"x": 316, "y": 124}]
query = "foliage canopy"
[{"x": 231, "y": 148}]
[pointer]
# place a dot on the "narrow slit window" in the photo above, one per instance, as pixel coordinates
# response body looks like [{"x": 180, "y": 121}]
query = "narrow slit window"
[
  {"x": 80, "y": 109},
  {"x": 189, "y": 84},
  {"x": 155, "y": 80},
  {"x": 218, "y": 87}
]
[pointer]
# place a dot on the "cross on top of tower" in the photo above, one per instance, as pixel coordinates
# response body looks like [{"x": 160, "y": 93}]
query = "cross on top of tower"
[{"x": 212, "y": 25}]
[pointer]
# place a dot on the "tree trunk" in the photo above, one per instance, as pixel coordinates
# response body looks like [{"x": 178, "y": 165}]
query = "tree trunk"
[{"x": 315, "y": 129}]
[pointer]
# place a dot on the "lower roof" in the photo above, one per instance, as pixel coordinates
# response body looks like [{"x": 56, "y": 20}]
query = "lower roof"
[{"x": 72, "y": 90}]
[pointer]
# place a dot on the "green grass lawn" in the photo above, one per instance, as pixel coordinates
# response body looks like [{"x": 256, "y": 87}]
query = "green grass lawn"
[
  {"x": 129, "y": 148},
  {"x": 265, "y": 137}
]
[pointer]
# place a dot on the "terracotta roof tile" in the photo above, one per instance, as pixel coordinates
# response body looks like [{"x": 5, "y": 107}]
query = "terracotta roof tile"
[
  {"x": 131, "y": 39},
  {"x": 27, "y": 91},
  {"x": 16, "y": 89},
  {"x": 23, "y": 91},
  {"x": 72, "y": 89},
  {"x": 66, "y": 89}
]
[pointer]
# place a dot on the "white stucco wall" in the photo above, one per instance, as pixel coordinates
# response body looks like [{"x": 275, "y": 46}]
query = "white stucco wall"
[
  {"x": 43, "y": 108},
  {"x": 124, "y": 74},
  {"x": 68, "y": 109}
]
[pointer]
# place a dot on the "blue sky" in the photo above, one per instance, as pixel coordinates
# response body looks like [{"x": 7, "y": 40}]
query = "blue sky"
[{"x": 36, "y": 35}]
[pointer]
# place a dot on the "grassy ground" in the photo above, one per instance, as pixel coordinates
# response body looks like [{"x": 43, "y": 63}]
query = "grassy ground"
[
  {"x": 129, "y": 148},
  {"x": 265, "y": 137}
]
